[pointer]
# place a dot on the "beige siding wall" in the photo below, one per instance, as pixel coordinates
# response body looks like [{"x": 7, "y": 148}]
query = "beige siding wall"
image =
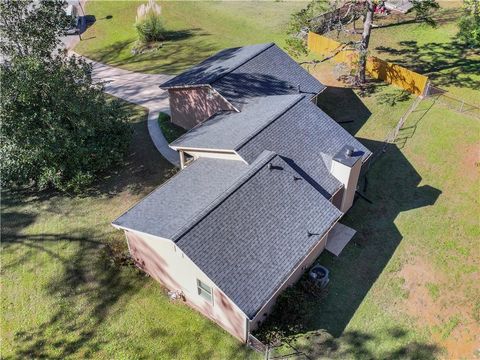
[
  {"x": 348, "y": 176},
  {"x": 337, "y": 199},
  {"x": 213, "y": 154},
  {"x": 192, "y": 106},
  {"x": 312, "y": 256},
  {"x": 166, "y": 263}
]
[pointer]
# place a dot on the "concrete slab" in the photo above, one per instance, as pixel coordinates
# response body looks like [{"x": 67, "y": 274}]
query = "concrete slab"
[{"x": 338, "y": 238}]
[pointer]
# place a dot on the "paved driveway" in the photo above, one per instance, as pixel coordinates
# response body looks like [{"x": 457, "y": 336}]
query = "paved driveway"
[
  {"x": 137, "y": 88},
  {"x": 141, "y": 89}
]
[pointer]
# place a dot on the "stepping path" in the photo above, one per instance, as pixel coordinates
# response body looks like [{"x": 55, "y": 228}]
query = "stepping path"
[{"x": 141, "y": 89}]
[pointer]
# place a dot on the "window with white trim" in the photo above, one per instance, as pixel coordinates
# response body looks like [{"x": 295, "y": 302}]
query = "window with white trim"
[{"x": 205, "y": 291}]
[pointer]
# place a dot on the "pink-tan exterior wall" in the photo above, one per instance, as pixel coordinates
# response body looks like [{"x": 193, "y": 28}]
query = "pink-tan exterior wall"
[
  {"x": 300, "y": 270},
  {"x": 166, "y": 263},
  {"x": 192, "y": 106}
]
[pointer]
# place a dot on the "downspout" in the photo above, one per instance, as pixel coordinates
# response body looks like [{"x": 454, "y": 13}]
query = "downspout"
[{"x": 182, "y": 159}]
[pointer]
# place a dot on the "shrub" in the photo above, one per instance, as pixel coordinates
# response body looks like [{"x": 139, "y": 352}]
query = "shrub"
[
  {"x": 148, "y": 23},
  {"x": 63, "y": 138},
  {"x": 291, "y": 311},
  {"x": 469, "y": 30},
  {"x": 169, "y": 129}
]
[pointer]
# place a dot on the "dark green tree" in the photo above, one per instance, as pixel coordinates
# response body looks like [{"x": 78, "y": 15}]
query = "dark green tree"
[
  {"x": 469, "y": 25},
  {"x": 58, "y": 129}
]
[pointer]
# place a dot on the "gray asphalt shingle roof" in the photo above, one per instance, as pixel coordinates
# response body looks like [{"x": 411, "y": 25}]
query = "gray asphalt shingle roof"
[
  {"x": 246, "y": 226},
  {"x": 227, "y": 130},
  {"x": 257, "y": 233},
  {"x": 271, "y": 72},
  {"x": 290, "y": 125},
  {"x": 166, "y": 210},
  {"x": 308, "y": 138},
  {"x": 216, "y": 66},
  {"x": 239, "y": 74}
]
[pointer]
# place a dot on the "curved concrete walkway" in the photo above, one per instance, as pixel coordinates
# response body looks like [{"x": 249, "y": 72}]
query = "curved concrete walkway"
[{"x": 141, "y": 89}]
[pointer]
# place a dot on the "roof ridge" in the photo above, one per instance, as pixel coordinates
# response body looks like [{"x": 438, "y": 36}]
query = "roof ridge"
[
  {"x": 218, "y": 76},
  {"x": 244, "y": 141},
  {"x": 244, "y": 62},
  {"x": 151, "y": 193},
  {"x": 200, "y": 124},
  {"x": 261, "y": 161}
]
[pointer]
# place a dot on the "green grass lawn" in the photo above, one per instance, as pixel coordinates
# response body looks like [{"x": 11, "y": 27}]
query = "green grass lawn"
[
  {"x": 169, "y": 129},
  {"x": 67, "y": 288},
  {"x": 198, "y": 29},
  {"x": 406, "y": 287}
]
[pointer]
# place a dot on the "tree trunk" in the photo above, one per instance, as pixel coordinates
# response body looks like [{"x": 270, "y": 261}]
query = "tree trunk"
[{"x": 367, "y": 28}]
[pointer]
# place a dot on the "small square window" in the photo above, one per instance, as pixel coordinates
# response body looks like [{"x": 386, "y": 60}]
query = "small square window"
[{"x": 205, "y": 291}]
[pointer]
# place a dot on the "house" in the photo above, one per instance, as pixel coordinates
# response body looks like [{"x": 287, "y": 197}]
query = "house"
[
  {"x": 265, "y": 176},
  {"x": 227, "y": 80}
]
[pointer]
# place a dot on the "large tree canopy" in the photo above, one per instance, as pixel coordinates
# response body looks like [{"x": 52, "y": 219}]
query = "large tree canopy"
[
  {"x": 30, "y": 28},
  {"x": 469, "y": 25},
  {"x": 58, "y": 128}
]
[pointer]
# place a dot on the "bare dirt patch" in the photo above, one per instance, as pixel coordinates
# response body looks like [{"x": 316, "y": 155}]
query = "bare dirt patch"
[
  {"x": 326, "y": 73},
  {"x": 470, "y": 161},
  {"x": 444, "y": 311}
]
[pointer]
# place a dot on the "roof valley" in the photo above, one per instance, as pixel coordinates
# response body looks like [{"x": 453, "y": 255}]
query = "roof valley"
[
  {"x": 254, "y": 133},
  {"x": 259, "y": 163}
]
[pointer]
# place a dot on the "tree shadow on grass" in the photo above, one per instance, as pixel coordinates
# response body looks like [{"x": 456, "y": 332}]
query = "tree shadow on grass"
[
  {"x": 90, "y": 290},
  {"x": 345, "y": 107},
  {"x": 143, "y": 169},
  {"x": 446, "y": 64},
  {"x": 441, "y": 17},
  {"x": 172, "y": 56},
  {"x": 392, "y": 186},
  {"x": 86, "y": 287},
  {"x": 356, "y": 345}
]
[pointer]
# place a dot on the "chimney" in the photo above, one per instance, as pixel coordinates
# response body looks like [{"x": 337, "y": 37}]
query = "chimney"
[{"x": 346, "y": 166}]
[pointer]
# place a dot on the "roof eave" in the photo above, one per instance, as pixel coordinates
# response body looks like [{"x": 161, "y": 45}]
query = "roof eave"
[
  {"x": 295, "y": 268},
  {"x": 186, "y": 86}
]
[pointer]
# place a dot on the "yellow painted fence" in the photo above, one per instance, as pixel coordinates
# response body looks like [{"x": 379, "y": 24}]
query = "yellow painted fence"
[{"x": 377, "y": 68}]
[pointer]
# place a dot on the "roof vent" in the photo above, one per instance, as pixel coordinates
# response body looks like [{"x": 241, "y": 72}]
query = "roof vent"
[
  {"x": 349, "y": 152},
  {"x": 295, "y": 178},
  {"x": 274, "y": 167},
  {"x": 298, "y": 88}
]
